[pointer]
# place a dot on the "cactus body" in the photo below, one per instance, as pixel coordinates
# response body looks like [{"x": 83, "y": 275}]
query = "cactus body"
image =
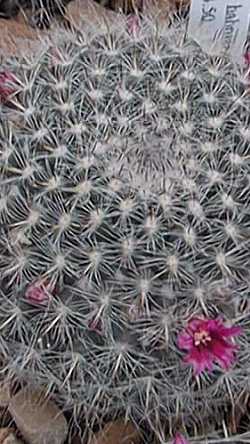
[{"x": 124, "y": 196}]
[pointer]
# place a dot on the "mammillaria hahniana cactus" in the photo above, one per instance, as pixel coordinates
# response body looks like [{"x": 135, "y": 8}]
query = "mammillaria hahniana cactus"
[{"x": 124, "y": 214}]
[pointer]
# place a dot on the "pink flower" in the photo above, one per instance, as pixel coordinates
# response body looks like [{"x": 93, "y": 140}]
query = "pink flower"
[
  {"x": 38, "y": 292},
  {"x": 7, "y": 79},
  {"x": 179, "y": 439},
  {"x": 207, "y": 341}
]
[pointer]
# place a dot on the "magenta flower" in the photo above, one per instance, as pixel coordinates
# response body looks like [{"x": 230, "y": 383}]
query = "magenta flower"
[
  {"x": 38, "y": 292},
  {"x": 207, "y": 341},
  {"x": 7, "y": 81},
  {"x": 179, "y": 439}
]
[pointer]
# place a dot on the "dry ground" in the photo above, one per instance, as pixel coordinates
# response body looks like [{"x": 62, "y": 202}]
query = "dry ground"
[{"x": 16, "y": 33}]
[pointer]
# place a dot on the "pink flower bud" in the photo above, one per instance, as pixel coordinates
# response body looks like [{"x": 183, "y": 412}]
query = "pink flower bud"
[
  {"x": 247, "y": 58},
  {"x": 38, "y": 292},
  {"x": 179, "y": 439},
  {"x": 133, "y": 24},
  {"x": 7, "y": 81},
  {"x": 95, "y": 325}
]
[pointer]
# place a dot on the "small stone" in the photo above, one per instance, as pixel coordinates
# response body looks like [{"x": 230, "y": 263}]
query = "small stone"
[
  {"x": 12, "y": 439},
  {"x": 117, "y": 432},
  {"x": 7, "y": 436},
  {"x": 38, "y": 419},
  {"x": 4, "y": 433},
  {"x": 4, "y": 394}
]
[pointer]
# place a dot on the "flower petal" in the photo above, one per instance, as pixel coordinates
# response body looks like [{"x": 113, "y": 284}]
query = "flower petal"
[
  {"x": 185, "y": 341},
  {"x": 229, "y": 331},
  {"x": 195, "y": 324},
  {"x": 200, "y": 359},
  {"x": 223, "y": 353}
]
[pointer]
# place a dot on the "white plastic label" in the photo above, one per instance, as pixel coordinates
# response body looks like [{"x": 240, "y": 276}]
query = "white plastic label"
[{"x": 220, "y": 25}]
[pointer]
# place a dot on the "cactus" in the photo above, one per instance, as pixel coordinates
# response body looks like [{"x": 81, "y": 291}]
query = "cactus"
[{"x": 124, "y": 212}]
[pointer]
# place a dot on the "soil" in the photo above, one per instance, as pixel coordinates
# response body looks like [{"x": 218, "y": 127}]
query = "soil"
[{"x": 17, "y": 33}]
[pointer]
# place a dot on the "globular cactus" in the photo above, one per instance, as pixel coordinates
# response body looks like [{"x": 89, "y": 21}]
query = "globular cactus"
[{"x": 124, "y": 213}]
